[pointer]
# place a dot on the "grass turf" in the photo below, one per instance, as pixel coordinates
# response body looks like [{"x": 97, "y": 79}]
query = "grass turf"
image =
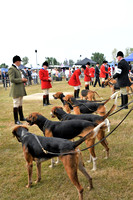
[{"x": 113, "y": 179}]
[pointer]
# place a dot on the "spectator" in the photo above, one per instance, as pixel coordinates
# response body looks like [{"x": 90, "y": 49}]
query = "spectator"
[
  {"x": 17, "y": 89},
  {"x": 75, "y": 81},
  {"x": 29, "y": 76},
  {"x": 97, "y": 75},
  {"x": 4, "y": 79},
  {"x": 35, "y": 77},
  {"x": 45, "y": 83}
]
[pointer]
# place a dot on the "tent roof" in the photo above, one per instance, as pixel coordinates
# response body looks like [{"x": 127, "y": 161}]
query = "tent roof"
[
  {"x": 84, "y": 61},
  {"x": 129, "y": 58}
]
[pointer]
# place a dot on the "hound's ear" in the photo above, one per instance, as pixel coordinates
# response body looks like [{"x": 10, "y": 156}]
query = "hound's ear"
[{"x": 17, "y": 127}]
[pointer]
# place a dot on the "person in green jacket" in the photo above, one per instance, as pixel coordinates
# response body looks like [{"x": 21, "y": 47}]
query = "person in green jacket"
[{"x": 17, "y": 89}]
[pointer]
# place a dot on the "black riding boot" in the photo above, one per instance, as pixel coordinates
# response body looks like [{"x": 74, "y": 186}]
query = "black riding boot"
[
  {"x": 75, "y": 94},
  {"x": 47, "y": 99},
  {"x": 103, "y": 85},
  {"x": 78, "y": 93},
  {"x": 44, "y": 100},
  {"x": 125, "y": 101},
  {"x": 20, "y": 110},
  {"x": 15, "y": 113}
]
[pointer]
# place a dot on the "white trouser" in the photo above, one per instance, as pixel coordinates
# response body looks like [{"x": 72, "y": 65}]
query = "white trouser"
[
  {"x": 123, "y": 90},
  {"x": 46, "y": 91},
  {"x": 87, "y": 82},
  {"x": 103, "y": 79},
  {"x": 77, "y": 87},
  {"x": 17, "y": 102}
]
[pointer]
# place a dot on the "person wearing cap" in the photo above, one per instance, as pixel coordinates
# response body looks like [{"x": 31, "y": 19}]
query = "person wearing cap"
[
  {"x": 103, "y": 72},
  {"x": 87, "y": 77},
  {"x": 45, "y": 83},
  {"x": 75, "y": 81},
  {"x": 97, "y": 71},
  {"x": 17, "y": 89},
  {"x": 121, "y": 74}
]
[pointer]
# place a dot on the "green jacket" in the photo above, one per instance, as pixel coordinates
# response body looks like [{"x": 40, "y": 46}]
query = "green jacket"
[{"x": 17, "y": 86}]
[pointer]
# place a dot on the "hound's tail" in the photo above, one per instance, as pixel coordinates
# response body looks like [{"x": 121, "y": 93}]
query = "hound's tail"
[
  {"x": 111, "y": 97},
  {"x": 112, "y": 108},
  {"x": 91, "y": 135}
]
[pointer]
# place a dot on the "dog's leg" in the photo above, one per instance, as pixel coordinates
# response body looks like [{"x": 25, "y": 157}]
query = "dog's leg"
[
  {"x": 70, "y": 163},
  {"x": 100, "y": 136},
  {"x": 52, "y": 163},
  {"x": 29, "y": 160},
  {"x": 29, "y": 168},
  {"x": 38, "y": 165},
  {"x": 89, "y": 143},
  {"x": 58, "y": 160},
  {"x": 89, "y": 161},
  {"x": 83, "y": 170}
]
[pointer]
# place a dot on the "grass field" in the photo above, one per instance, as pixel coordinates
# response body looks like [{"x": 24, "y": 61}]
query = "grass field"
[{"x": 113, "y": 179}]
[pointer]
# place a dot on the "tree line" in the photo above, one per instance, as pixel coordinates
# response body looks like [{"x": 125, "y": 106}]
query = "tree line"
[{"x": 97, "y": 57}]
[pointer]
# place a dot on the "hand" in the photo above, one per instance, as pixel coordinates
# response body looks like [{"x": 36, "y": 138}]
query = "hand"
[{"x": 24, "y": 80}]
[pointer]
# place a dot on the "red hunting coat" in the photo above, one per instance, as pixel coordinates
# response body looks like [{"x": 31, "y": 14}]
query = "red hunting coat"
[
  {"x": 92, "y": 72},
  {"x": 44, "y": 75},
  {"x": 87, "y": 77},
  {"x": 109, "y": 71},
  {"x": 103, "y": 72},
  {"x": 74, "y": 80}
]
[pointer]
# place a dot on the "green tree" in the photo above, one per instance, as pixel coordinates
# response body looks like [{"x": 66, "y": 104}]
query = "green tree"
[
  {"x": 128, "y": 51},
  {"x": 3, "y": 65},
  {"x": 25, "y": 60},
  {"x": 71, "y": 62},
  {"x": 52, "y": 61},
  {"x": 98, "y": 57},
  {"x": 114, "y": 52},
  {"x": 66, "y": 62}
]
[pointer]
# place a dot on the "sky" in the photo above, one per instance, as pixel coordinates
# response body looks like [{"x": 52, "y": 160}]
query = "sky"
[{"x": 64, "y": 29}]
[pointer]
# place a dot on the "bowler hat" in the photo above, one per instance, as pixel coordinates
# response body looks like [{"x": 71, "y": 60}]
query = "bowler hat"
[
  {"x": 16, "y": 58},
  {"x": 120, "y": 53},
  {"x": 45, "y": 63}
]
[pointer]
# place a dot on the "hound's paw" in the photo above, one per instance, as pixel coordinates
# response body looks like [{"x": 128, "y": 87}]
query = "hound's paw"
[
  {"x": 38, "y": 180},
  {"x": 28, "y": 186},
  {"x": 93, "y": 169},
  {"x": 51, "y": 166}
]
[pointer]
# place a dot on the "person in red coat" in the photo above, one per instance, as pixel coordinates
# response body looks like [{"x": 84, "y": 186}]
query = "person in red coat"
[
  {"x": 87, "y": 77},
  {"x": 45, "y": 82},
  {"x": 109, "y": 70},
  {"x": 103, "y": 72},
  {"x": 75, "y": 81},
  {"x": 92, "y": 74}
]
